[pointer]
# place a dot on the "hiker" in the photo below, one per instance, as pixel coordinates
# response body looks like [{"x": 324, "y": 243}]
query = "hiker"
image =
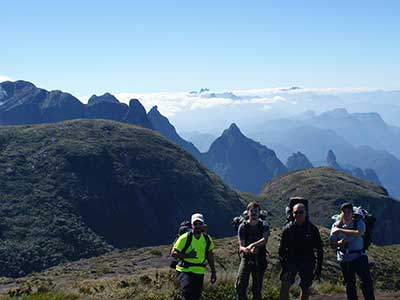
[
  {"x": 347, "y": 237},
  {"x": 253, "y": 235},
  {"x": 296, "y": 251},
  {"x": 192, "y": 249}
]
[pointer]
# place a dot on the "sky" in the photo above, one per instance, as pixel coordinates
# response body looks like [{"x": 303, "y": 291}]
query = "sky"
[{"x": 92, "y": 47}]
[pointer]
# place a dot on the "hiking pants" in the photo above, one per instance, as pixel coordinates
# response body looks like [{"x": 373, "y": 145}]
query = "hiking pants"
[
  {"x": 360, "y": 267},
  {"x": 191, "y": 285},
  {"x": 247, "y": 267}
]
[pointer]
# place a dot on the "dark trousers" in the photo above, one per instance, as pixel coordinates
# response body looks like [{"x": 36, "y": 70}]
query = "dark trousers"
[
  {"x": 191, "y": 285},
  {"x": 257, "y": 270},
  {"x": 360, "y": 267}
]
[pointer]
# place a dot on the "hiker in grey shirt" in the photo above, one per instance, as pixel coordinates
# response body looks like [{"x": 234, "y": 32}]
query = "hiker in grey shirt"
[{"x": 346, "y": 237}]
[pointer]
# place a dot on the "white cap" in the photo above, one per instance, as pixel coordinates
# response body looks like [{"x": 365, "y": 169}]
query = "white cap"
[{"x": 197, "y": 217}]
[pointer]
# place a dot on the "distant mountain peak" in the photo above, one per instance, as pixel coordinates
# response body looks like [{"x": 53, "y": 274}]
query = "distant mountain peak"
[
  {"x": 293, "y": 88},
  {"x": 136, "y": 105},
  {"x": 298, "y": 161},
  {"x": 202, "y": 90},
  {"x": 233, "y": 130},
  {"x": 154, "y": 109},
  {"x": 331, "y": 157},
  {"x": 107, "y": 97},
  {"x": 336, "y": 113}
]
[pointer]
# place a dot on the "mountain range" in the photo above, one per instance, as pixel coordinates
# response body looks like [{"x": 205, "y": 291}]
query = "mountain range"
[
  {"x": 239, "y": 161},
  {"x": 359, "y": 141},
  {"x": 21, "y": 103}
]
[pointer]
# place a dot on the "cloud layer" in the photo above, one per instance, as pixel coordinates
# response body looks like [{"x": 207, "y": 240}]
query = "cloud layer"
[{"x": 171, "y": 103}]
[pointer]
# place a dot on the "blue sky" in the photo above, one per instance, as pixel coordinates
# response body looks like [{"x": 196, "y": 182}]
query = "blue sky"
[{"x": 87, "y": 47}]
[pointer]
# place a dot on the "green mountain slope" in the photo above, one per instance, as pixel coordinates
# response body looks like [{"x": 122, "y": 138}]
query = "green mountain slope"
[
  {"x": 77, "y": 188},
  {"x": 143, "y": 274},
  {"x": 326, "y": 189}
]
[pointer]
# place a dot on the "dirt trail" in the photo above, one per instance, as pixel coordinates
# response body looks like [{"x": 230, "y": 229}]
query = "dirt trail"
[{"x": 378, "y": 296}]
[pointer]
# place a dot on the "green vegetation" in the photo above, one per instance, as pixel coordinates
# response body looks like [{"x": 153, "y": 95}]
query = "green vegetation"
[
  {"x": 80, "y": 188},
  {"x": 144, "y": 274},
  {"x": 326, "y": 189}
]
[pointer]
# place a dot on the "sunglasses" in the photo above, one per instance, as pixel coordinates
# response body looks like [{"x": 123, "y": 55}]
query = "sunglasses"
[
  {"x": 298, "y": 212},
  {"x": 197, "y": 223}
]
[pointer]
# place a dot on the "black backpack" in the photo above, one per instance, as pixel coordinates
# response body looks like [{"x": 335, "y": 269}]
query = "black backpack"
[
  {"x": 237, "y": 221},
  {"x": 243, "y": 219},
  {"x": 184, "y": 227},
  {"x": 289, "y": 209}
]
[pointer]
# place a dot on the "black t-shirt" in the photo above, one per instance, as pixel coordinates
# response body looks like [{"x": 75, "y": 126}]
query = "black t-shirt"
[
  {"x": 299, "y": 242},
  {"x": 253, "y": 233}
]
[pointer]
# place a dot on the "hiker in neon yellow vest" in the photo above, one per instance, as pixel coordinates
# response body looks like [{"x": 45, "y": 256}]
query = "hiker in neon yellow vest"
[{"x": 193, "y": 249}]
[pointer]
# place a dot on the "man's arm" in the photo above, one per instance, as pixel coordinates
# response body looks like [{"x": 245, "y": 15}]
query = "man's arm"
[
  {"x": 241, "y": 240},
  {"x": 211, "y": 262},
  {"x": 283, "y": 246},
  {"x": 357, "y": 232},
  {"x": 178, "y": 255},
  {"x": 243, "y": 248},
  {"x": 260, "y": 242},
  {"x": 320, "y": 252},
  {"x": 349, "y": 232}
]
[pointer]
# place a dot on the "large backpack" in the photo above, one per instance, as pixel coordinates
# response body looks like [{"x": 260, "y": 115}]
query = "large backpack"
[
  {"x": 361, "y": 214},
  {"x": 185, "y": 227},
  {"x": 289, "y": 209},
  {"x": 244, "y": 217}
]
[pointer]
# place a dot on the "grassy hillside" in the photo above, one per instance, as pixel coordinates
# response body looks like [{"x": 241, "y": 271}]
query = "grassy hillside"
[
  {"x": 144, "y": 274},
  {"x": 79, "y": 188},
  {"x": 326, "y": 190}
]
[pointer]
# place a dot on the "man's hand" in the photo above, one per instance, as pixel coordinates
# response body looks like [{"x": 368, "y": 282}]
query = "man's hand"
[
  {"x": 252, "y": 249},
  {"x": 191, "y": 254},
  {"x": 213, "y": 277},
  {"x": 245, "y": 250},
  {"x": 336, "y": 230},
  {"x": 341, "y": 242}
]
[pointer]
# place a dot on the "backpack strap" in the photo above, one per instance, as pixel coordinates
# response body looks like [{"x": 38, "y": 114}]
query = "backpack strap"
[
  {"x": 188, "y": 241},
  {"x": 208, "y": 243},
  {"x": 186, "y": 264},
  {"x": 246, "y": 232}
]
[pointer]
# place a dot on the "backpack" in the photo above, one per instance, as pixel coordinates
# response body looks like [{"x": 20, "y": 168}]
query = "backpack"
[
  {"x": 289, "y": 209},
  {"x": 184, "y": 227},
  {"x": 361, "y": 214},
  {"x": 243, "y": 219},
  {"x": 237, "y": 221}
]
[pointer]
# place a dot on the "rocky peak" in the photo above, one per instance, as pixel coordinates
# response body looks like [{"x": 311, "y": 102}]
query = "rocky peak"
[
  {"x": 162, "y": 125},
  {"x": 107, "y": 97},
  {"x": 137, "y": 106},
  {"x": 233, "y": 131},
  {"x": 298, "y": 161}
]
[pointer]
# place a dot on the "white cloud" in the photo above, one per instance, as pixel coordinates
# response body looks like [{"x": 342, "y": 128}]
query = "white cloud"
[
  {"x": 4, "y": 78},
  {"x": 172, "y": 103}
]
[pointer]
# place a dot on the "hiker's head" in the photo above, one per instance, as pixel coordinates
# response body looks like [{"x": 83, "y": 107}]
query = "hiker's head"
[
  {"x": 197, "y": 222},
  {"x": 299, "y": 213},
  {"x": 253, "y": 210},
  {"x": 346, "y": 214}
]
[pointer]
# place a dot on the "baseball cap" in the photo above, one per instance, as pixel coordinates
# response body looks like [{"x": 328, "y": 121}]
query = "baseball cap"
[
  {"x": 197, "y": 217},
  {"x": 346, "y": 205}
]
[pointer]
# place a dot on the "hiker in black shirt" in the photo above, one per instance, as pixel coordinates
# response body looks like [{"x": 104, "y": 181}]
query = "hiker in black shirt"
[
  {"x": 299, "y": 240},
  {"x": 253, "y": 235}
]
